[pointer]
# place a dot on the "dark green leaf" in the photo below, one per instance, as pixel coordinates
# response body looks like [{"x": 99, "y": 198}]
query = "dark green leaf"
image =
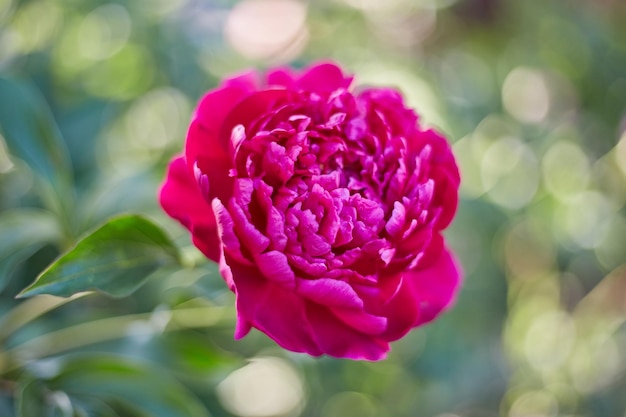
[
  {"x": 117, "y": 380},
  {"x": 31, "y": 400},
  {"x": 31, "y": 132},
  {"x": 114, "y": 259},
  {"x": 23, "y": 232},
  {"x": 95, "y": 407}
]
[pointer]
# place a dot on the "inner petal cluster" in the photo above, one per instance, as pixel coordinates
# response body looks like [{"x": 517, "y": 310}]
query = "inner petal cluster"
[{"x": 331, "y": 187}]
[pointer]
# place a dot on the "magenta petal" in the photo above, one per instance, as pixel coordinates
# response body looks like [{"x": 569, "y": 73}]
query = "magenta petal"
[
  {"x": 226, "y": 231},
  {"x": 324, "y": 207},
  {"x": 447, "y": 196},
  {"x": 362, "y": 321},
  {"x": 275, "y": 267},
  {"x": 242, "y": 328},
  {"x": 340, "y": 340},
  {"x": 211, "y": 163},
  {"x": 435, "y": 287},
  {"x": 277, "y": 312},
  {"x": 329, "y": 292},
  {"x": 210, "y": 114},
  {"x": 282, "y": 77},
  {"x": 396, "y": 222},
  {"x": 402, "y": 312},
  {"x": 323, "y": 78},
  {"x": 250, "y": 236},
  {"x": 180, "y": 197},
  {"x": 248, "y": 81},
  {"x": 247, "y": 111}
]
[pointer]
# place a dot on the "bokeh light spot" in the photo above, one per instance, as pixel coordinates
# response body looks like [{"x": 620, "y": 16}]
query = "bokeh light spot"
[
  {"x": 525, "y": 95},
  {"x": 595, "y": 362},
  {"x": 157, "y": 119},
  {"x": 565, "y": 170},
  {"x": 125, "y": 75},
  {"x": 549, "y": 340},
  {"x": 261, "y": 29},
  {"x": 535, "y": 404},
  {"x": 611, "y": 252},
  {"x": 266, "y": 387},
  {"x": 509, "y": 173},
  {"x": 36, "y": 25},
  {"x": 5, "y": 8},
  {"x": 104, "y": 31},
  {"x": 585, "y": 218},
  {"x": 472, "y": 185}
]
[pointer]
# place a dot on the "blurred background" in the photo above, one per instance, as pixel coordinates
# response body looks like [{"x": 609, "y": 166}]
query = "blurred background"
[{"x": 531, "y": 93}]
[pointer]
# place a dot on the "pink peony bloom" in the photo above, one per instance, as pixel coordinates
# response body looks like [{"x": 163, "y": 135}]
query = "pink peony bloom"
[{"x": 323, "y": 206}]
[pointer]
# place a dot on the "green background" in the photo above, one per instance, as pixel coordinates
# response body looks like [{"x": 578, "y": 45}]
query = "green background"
[{"x": 95, "y": 98}]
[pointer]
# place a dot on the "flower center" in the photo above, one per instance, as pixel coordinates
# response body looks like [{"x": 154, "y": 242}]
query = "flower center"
[{"x": 333, "y": 188}]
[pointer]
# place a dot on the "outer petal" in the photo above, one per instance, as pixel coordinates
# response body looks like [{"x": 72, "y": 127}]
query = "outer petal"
[
  {"x": 180, "y": 197},
  {"x": 277, "y": 312},
  {"x": 330, "y": 292},
  {"x": 402, "y": 312},
  {"x": 211, "y": 166},
  {"x": 323, "y": 78},
  {"x": 362, "y": 321},
  {"x": 210, "y": 114},
  {"x": 445, "y": 174},
  {"x": 340, "y": 340},
  {"x": 435, "y": 288},
  {"x": 281, "y": 77},
  {"x": 247, "y": 111},
  {"x": 203, "y": 151},
  {"x": 247, "y": 80}
]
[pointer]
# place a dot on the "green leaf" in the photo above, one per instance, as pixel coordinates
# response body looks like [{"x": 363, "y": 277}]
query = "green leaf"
[
  {"x": 31, "y": 400},
  {"x": 36, "y": 399},
  {"x": 95, "y": 407},
  {"x": 114, "y": 259},
  {"x": 117, "y": 380},
  {"x": 31, "y": 132},
  {"x": 22, "y": 233}
]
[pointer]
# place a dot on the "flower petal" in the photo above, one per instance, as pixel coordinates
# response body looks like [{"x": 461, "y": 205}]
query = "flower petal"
[
  {"x": 402, "y": 312},
  {"x": 275, "y": 267},
  {"x": 211, "y": 164},
  {"x": 210, "y": 114},
  {"x": 362, "y": 321},
  {"x": 247, "y": 111},
  {"x": 435, "y": 287},
  {"x": 277, "y": 312},
  {"x": 323, "y": 78},
  {"x": 180, "y": 197},
  {"x": 340, "y": 340},
  {"x": 280, "y": 77},
  {"x": 248, "y": 81},
  {"x": 226, "y": 231},
  {"x": 329, "y": 292}
]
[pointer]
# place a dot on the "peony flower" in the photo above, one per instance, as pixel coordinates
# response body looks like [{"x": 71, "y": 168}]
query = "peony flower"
[{"x": 324, "y": 207}]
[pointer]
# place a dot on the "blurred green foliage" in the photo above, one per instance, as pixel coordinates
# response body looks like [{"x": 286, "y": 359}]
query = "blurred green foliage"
[{"x": 95, "y": 97}]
